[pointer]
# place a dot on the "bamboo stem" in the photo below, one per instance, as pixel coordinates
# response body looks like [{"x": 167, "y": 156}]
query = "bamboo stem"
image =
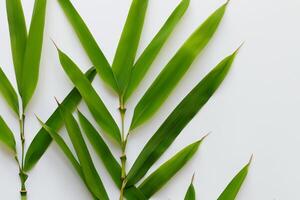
[{"x": 123, "y": 157}]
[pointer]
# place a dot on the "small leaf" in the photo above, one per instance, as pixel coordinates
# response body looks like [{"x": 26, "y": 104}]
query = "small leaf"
[
  {"x": 178, "y": 119},
  {"x": 42, "y": 140},
  {"x": 32, "y": 56},
  {"x": 90, "y": 96},
  {"x": 8, "y": 92},
  {"x": 165, "y": 172},
  {"x": 6, "y": 136},
  {"x": 175, "y": 69},
  {"x": 89, "y": 171},
  {"x": 128, "y": 44},
  {"x": 235, "y": 185},
  {"x": 145, "y": 61},
  {"x": 89, "y": 44},
  {"x": 191, "y": 193},
  {"x": 18, "y": 35}
]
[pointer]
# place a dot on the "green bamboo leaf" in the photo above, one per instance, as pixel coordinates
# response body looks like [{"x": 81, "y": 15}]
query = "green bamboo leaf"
[
  {"x": 191, "y": 193},
  {"x": 6, "y": 136},
  {"x": 42, "y": 140},
  {"x": 178, "y": 119},
  {"x": 89, "y": 171},
  {"x": 128, "y": 44},
  {"x": 8, "y": 92},
  {"x": 164, "y": 173},
  {"x": 89, "y": 44},
  {"x": 90, "y": 96},
  {"x": 18, "y": 35},
  {"x": 145, "y": 61},
  {"x": 175, "y": 69},
  {"x": 33, "y": 51},
  {"x": 235, "y": 185},
  {"x": 133, "y": 193}
]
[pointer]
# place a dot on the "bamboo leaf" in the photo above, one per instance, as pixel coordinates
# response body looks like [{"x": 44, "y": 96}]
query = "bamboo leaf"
[
  {"x": 32, "y": 56},
  {"x": 178, "y": 119},
  {"x": 164, "y": 173},
  {"x": 133, "y": 193},
  {"x": 6, "y": 136},
  {"x": 175, "y": 69},
  {"x": 128, "y": 44},
  {"x": 42, "y": 140},
  {"x": 235, "y": 185},
  {"x": 89, "y": 44},
  {"x": 8, "y": 92},
  {"x": 18, "y": 35},
  {"x": 191, "y": 193},
  {"x": 88, "y": 169},
  {"x": 90, "y": 96},
  {"x": 145, "y": 61}
]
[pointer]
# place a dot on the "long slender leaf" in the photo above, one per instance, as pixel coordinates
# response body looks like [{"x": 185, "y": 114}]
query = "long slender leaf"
[
  {"x": 178, "y": 119},
  {"x": 235, "y": 185},
  {"x": 175, "y": 69},
  {"x": 145, "y": 61},
  {"x": 42, "y": 140},
  {"x": 89, "y": 44},
  {"x": 128, "y": 44},
  {"x": 90, "y": 96},
  {"x": 18, "y": 35},
  {"x": 191, "y": 193},
  {"x": 133, "y": 193},
  {"x": 8, "y": 92},
  {"x": 6, "y": 136},
  {"x": 165, "y": 172},
  {"x": 90, "y": 173},
  {"x": 32, "y": 56}
]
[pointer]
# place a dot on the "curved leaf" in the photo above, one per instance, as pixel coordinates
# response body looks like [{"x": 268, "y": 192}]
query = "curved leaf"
[
  {"x": 89, "y": 44},
  {"x": 18, "y": 35},
  {"x": 145, "y": 61},
  {"x": 191, "y": 193},
  {"x": 90, "y": 96},
  {"x": 8, "y": 92},
  {"x": 6, "y": 136},
  {"x": 88, "y": 169},
  {"x": 175, "y": 69},
  {"x": 165, "y": 172},
  {"x": 32, "y": 56},
  {"x": 42, "y": 139},
  {"x": 178, "y": 119},
  {"x": 128, "y": 44},
  {"x": 235, "y": 185}
]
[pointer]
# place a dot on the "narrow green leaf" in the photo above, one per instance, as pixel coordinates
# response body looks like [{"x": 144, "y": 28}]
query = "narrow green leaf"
[
  {"x": 133, "y": 193},
  {"x": 175, "y": 69},
  {"x": 42, "y": 140},
  {"x": 145, "y": 61},
  {"x": 8, "y": 92},
  {"x": 178, "y": 119},
  {"x": 128, "y": 44},
  {"x": 18, "y": 35},
  {"x": 101, "y": 149},
  {"x": 235, "y": 185},
  {"x": 90, "y": 96},
  {"x": 191, "y": 193},
  {"x": 89, "y": 44},
  {"x": 89, "y": 171},
  {"x": 6, "y": 136},
  {"x": 165, "y": 172},
  {"x": 32, "y": 56}
]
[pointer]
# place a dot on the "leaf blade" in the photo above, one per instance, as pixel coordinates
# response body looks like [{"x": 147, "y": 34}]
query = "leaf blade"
[
  {"x": 90, "y": 96},
  {"x": 42, "y": 140},
  {"x": 33, "y": 51},
  {"x": 8, "y": 92},
  {"x": 178, "y": 119},
  {"x": 89, "y": 44},
  {"x": 190, "y": 193},
  {"x": 128, "y": 44},
  {"x": 145, "y": 61},
  {"x": 175, "y": 69},
  {"x": 6, "y": 136}
]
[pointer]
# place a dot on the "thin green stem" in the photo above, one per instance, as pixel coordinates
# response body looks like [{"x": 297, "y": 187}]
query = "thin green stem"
[
  {"x": 23, "y": 176},
  {"x": 123, "y": 157}
]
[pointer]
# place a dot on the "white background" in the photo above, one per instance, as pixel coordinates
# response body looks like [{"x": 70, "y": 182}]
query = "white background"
[{"x": 256, "y": 110}]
